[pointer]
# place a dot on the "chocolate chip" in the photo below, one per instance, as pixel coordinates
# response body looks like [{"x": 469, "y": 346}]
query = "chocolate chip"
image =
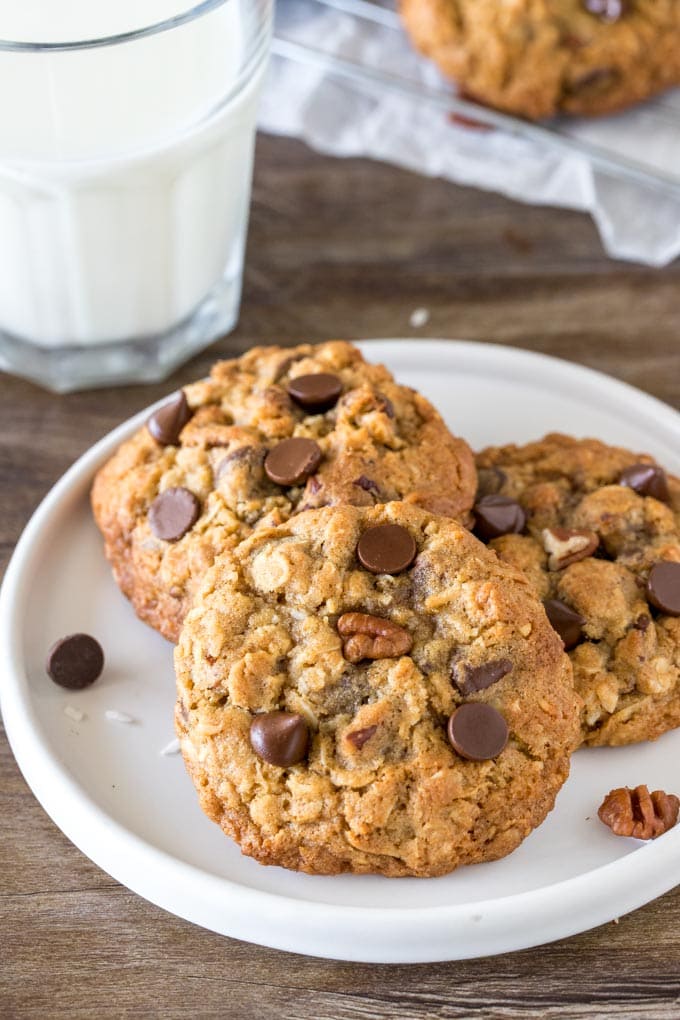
[
  {"x": 167, "y": 422},
  {"x": 360, "y": 737},
  {"x": 648, "y": 480},
  {"x": 596, "y": 81},
  {"x": 248, "y": 458},
  {"x": 498, "y": 515},
  {"x": 642, "y": 622},
  {"x": 477, "y": 731},
  {"x": 490, "y": 481},
  {"x": 292, "y": 461},
  {"x": 386, "y": 549},
  {"x": 313, "y": 495},
  {"x": 572, "y": 41},
  {"x": 663, "y": 587},
  {"x": 75, "y": 661},
  {"x": 566, "y": 621},
  {"x": 284, "y": 366},
  {"x": 367, "y": 484},
  {"x": 470, "y": 679},
  {"x": 385, "y": 405},
  {"x": 316, "y": 393},
  {"x": 605, "y": 10},
  {"x": 281, "y": 738},
  {"x": 173, "y": 513}
]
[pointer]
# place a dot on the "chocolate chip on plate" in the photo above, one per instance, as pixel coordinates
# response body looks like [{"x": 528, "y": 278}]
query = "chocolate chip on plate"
[
  {"x": 280, "y": 738},
  {"x": 496, "y": 516},
  {"x": 173, "y": 513},
  {"x": 648, "y": 480},
  {"x": 317, "y": 392},
  {"x": 167, "y": 422},
  {"x": 470, "y": 679},
  {"x": 386, "y": 549},
  {"x": 566, "y": 621},
  {"x": 477, "y": 731},
  {"x": 663, "y": 587},
  {"x": 292, "y": 461},
  {"x": 75, "y": 661}
]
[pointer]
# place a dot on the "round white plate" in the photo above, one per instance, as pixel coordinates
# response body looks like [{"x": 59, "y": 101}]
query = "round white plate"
[{"x": 133, "y": 811}]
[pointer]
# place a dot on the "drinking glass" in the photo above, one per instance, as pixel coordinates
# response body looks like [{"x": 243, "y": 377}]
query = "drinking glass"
[{"x": 126, "y": 148}]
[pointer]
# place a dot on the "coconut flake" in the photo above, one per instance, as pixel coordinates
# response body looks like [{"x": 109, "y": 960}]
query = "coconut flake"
[
  {"x": 113, "y": 715},
  {"x": 171, "y": 748},
  {"x": 74, "y": 713},
  {"x": 419, "y": 317}
]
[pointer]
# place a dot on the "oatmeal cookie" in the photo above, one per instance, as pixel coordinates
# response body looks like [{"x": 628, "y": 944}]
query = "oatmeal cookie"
[
  {"x": 371, "y": 690},
  {"x": 277, "y": 431},
  {"x": 536, "y": 58},
  {"x": 596, "y": 529}
]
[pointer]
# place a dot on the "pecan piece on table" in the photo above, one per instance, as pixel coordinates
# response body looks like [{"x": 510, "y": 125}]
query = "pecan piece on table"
[
  {"x": 638, "y": 812},
  {"x": 370, "y": 637},
  {"x": 565, "y": 546}
]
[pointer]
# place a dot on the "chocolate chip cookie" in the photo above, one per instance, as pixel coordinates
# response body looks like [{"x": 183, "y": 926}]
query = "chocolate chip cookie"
[
  {"x": 536, "y": 58},
  {"x": 372, "y": 690},
  {"x": 265, "y": 436},
  {"x": 596, "y": 530}
]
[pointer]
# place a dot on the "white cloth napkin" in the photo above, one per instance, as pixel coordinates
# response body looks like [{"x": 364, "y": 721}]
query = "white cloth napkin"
[{"x": 635, "y": 223}]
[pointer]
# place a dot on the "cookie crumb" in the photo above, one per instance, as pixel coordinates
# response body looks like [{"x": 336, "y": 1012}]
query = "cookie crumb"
[
  {"x": 171, "y": 748},
  {"x": 113, "y": 715},
  {"x": 419, "y": 317},
  {"x": 74, "y": 713}
]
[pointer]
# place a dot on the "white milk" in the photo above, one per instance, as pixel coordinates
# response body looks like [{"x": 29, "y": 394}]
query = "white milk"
[{"x": 117, "y": 213}]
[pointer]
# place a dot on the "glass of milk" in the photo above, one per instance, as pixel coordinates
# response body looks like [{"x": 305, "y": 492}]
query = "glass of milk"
[{"x": 126, "y": 148}]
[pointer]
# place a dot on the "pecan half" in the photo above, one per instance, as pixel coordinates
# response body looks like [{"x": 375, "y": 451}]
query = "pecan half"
[
  {"x": 370, "y": 637},
  {"x": 566, "y": 546},
  {"x": 638, "y": 812}
]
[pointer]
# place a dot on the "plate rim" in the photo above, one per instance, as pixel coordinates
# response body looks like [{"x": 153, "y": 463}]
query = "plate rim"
[{"x": 361, "y": 934}]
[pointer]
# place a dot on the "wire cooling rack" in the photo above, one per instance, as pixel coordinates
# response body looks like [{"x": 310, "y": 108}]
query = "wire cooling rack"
[{"x": 593, "y": 139}]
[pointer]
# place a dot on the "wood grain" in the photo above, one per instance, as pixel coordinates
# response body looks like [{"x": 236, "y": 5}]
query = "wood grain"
[{"x": 336, "y": 249}]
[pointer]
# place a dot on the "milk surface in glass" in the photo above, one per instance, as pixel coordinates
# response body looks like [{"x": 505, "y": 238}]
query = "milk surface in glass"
[{"x": 124, "y": 169}]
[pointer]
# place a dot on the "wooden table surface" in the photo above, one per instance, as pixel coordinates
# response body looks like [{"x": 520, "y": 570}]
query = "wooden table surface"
[{"x": 336, "y": 249}]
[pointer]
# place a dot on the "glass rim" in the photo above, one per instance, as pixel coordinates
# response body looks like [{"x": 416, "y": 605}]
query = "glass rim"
[{"x": 193, "y": 12}]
